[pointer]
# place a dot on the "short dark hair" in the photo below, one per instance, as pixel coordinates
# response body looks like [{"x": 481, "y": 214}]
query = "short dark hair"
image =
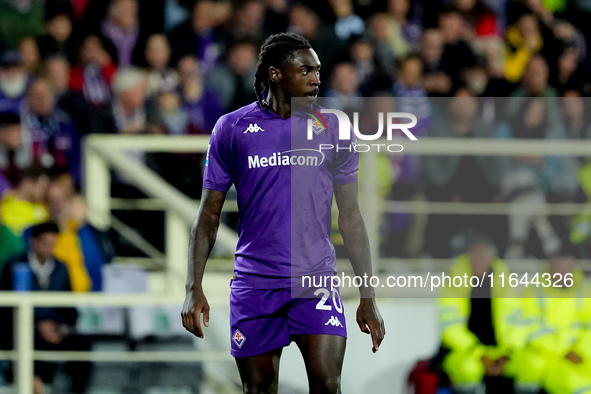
[
  {"x": 9, "y": 119},
  {"x": 476, "y": 238},
  {"x": 276, "y": 50},
  {"x": 33, "y": 173},
  {"x": 408, "y": 57},
  {"x": 47, "y": 227}
]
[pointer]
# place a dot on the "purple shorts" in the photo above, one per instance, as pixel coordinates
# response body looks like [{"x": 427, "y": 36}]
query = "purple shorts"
[{"x": 262, "y": 320}]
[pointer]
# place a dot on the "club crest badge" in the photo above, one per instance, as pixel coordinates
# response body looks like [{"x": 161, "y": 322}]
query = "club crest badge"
[
  {"x": 317, "y": 127},
  {"x": 238, "y": 338}
]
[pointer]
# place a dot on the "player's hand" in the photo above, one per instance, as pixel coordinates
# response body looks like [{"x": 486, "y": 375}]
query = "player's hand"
[
  {"x": 195, "y": 305},
  {"x": 370, "y": 321}
]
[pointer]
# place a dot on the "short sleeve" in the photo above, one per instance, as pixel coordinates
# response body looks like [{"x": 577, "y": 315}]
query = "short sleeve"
[
  {"x": 218, "y": 161},
  {"x": 346, "y": 162}
]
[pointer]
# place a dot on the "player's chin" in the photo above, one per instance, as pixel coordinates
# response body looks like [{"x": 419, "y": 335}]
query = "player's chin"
[{"x": 312, "y": 97}]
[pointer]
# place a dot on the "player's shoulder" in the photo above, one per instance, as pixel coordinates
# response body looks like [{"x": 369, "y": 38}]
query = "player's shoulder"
[{"x": 227, "y": 123}]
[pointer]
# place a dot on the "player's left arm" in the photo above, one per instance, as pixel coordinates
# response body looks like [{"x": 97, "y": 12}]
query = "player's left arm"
[{"x": 356, "y": 242}]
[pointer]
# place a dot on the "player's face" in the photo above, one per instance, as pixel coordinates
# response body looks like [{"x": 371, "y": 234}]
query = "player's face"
[{"x": 301, "y": 76}]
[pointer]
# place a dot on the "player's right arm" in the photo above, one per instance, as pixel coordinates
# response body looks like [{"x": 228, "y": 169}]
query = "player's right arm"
[{"x": 203, "y": 235}]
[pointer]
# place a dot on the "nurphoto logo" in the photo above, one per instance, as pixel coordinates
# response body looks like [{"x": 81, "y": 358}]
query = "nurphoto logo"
[{"x": 317, "y": 123}]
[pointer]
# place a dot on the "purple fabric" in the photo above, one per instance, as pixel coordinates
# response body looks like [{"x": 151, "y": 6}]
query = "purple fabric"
[
  {"x": 124, "y": 41},
  {"x": 208, "y": 52},
  {"x": 56, "y": 142},
  {"x": 412, "y": 32},
  {"x": 205, "y": 112},
  {"x": 95, "y": 87},
  {"x": 415, "y": 101},
  {"x": 285, "y": 208},
  {"x": 262, "y": 319},
  {"x": 4, "y": 184},
  {"x": 14, "y": 104}
]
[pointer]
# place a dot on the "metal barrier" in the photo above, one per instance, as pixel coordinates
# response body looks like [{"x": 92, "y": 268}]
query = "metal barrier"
[
  {"x": 105, "y": 152},
  {"x": 25, "y": 355}
]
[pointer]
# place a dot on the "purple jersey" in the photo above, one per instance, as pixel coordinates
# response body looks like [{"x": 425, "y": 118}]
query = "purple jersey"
[{"x": 285, "y": 187}]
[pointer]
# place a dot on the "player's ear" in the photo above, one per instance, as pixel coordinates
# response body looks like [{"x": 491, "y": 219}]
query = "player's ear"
[{"x": 274, "y": 74}]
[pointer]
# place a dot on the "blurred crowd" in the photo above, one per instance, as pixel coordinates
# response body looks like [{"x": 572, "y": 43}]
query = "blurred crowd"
[{"x": 69, "y": 68}]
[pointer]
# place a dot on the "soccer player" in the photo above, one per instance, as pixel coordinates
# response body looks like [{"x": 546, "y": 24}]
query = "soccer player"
[{"x": 285, "y": 185}]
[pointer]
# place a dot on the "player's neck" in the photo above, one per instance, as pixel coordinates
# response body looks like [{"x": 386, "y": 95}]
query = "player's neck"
[{"x": 279, "y": 104}]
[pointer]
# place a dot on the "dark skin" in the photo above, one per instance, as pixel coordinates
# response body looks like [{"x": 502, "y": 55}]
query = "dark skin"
[{"x": 323, "y": 354}]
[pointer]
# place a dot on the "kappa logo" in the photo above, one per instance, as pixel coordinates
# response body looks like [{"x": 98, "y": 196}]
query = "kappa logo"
[
  {"x": 253, "y": 128},
  {"x": 333, "y": 321},
  {"x": 238, "y": 338}
]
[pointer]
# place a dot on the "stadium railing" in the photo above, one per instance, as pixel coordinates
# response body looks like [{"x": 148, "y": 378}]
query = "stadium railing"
[
  {"x": 25, "y": 355},
  {"x": 104, "y": 153}
]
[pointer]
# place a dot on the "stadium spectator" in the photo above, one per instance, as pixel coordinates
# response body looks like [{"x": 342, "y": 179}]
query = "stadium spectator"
[
  {"x": 479, "y": 336},
  {"x": 557, "y": 356},
  {"x": 409, "y": 89},
  {"x": 481, "y": 19},
  {"x": 569, "y": 75},
  {"x": 56, "y": 70},
  {"x": 522, "y": 39},
  {"x": 559, "y": 172},
  {"x": 16, "y": 151},
  {"x": 199, "y": 100},
  {"x": 410, "y": 98},
  {"x": 131, "y": 112},
  {"x": 162, "y": 77},
  {"x": 55, "y": 139},
  {"x": 476, "y": 80},
  {"x": 526, "y": 179},
  {"x": 30, "y": 55},
  {"x": 378, "y": 34},
  {"x": 404, "y": 31},
  {"x": 58, "y": 40},
  {"x": 173, "y": 119},
  {"x": 181, "y": 170},
  {"x": 14, "y": 81},
  {"x": 348, "y": 24},
  {"x": 199, "y": 36},
  {"x": 576, "y": 114},
  {"x": 369, "y": 72},
  {"x": 94, "y": 70},
  {"x": 343, "y": 91},
  {"x": 191, "y": 109},
  {"x": 68, "y": 248},
  {"x": 91, "y": 77},
  {"x": 535, "y": 80},
  {"x": 23, "y": 207},
  {"x": 248, "y": 21},
  {"x": 54, "y": 327},
  {"x": 122, "y": 28},
  {"x": 276, "y": 19},
  {"x": 436, "y": 81},
  {"x": 459, "y": 178},
  {"x": 457, "y": 51},
  {"x": 19, "y": 19},
  {"x": 306, "y": 22},
  {"x": 233, "y": 82},
  {"x": 81, "y": 247}
]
